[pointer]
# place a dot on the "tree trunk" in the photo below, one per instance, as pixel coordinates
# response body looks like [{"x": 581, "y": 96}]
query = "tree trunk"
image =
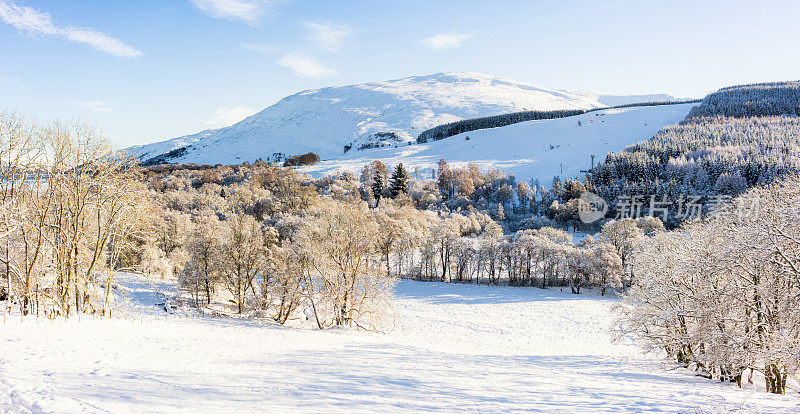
[{"x": 775, "y": 379}]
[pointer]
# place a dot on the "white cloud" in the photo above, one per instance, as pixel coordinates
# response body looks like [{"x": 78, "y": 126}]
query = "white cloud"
[
  {"x": 34, "y": 22},
  {"x": 445, "y": 41},
  {"x": 97, "y": 106},
  {"x": 249, "y": 11},
  {"x": 8, "y": 79},
  {"x": 102, "y": 42},
  {"x": 228, "y": 116},
  {"x": 329, "y": 36},
  {"x": 305, "y": 66},
  {"x": 261, "y": 48}
]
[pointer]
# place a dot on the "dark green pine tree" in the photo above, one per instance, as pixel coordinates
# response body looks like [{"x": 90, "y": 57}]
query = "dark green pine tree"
[
  {"x": 377, "y": 187},
  {"x": 399, "y": 182}
]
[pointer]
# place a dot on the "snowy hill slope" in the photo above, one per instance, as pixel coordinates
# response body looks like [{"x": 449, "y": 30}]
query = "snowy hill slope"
[
  {"x": 529, "y": 150},
  {"x": 326, "y": 120}
]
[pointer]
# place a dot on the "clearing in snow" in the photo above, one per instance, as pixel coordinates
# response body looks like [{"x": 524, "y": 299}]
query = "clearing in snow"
[{"x": 453, "y": 348}]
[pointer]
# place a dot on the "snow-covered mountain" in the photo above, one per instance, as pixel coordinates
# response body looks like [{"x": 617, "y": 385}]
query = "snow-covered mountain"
[{"x": 328, "y": 120}]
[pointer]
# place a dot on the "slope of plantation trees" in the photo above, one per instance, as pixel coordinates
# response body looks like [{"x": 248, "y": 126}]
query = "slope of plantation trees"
[
  {"x": 737, "y": 138},
  {"x": 760, "y": 99},
  {"x": 694, "y": 155},
  {"x": 70, "y": 218},
  {"x": 722, "y": 294}
]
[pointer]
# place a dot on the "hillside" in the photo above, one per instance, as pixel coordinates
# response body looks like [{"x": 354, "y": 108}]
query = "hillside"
[
  {"x": 529, "y": 150},
  {"x": 328, "y": 120},
  {"x": 736, "y": 138}
]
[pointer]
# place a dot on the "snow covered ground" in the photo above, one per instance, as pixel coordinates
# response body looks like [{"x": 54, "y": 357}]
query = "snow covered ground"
[
  {"x": 534, "y": 149},
  {"x": 453, "y": 348}
]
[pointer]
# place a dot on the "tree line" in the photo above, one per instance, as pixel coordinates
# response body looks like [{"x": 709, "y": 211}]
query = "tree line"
[
  {"x": 494, "y": 121},
  {"x": 71, "y": 215},
  {"x": 389, "y": 224}
]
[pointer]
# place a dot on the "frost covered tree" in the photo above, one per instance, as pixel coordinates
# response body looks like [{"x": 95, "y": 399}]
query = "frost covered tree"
[
  {"x": 623, "y": 235},
  {"x": 446, "y": 180},
  {"x": 71, "y": 210},
  {"x": 347, "y": 286},
  {"x": 243, "y": 257},
  {"x": 285, "y": 284},
  {"x": 201, "y": 272},
  {"x": 524, "y": 195},
  {"x": 721, "y": 294},
  {"x": 604, "y": 264},
  {"x": 368, "y": 173},
  {"x": 19, "y": 147}
]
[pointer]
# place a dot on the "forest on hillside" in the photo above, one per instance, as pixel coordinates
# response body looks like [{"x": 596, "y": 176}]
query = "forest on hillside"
[{"x": 737, "y": 138}]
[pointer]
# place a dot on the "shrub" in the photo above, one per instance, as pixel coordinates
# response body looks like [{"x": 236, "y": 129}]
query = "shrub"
[{"x": 300, "y": 160}]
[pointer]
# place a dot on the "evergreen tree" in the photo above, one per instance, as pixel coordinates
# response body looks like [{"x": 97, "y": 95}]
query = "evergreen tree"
[
  {"x": 377, "y": 187},
  {"x": 399, "y": 181}
]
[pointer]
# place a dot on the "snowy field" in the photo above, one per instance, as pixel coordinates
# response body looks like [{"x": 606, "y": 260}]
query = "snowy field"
[
  {"x": 453, "y": 348},
  {"x": 529, "y": 150}
]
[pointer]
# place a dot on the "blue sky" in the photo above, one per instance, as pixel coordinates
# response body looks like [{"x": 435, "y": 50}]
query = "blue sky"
[{"x": 148, "y": 70}]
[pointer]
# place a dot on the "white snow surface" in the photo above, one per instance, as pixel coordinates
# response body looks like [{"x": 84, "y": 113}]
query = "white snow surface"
[
  {"x": 453, "y": 348},
  {"x": 529, "y": 150},
  {"x": 325, "y": 120}
]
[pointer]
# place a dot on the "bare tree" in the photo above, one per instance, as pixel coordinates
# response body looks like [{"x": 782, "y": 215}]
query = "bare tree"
[
  {"x": 70, "y": 209},
  {"x": 204, "y": 252},
  {"x": 243, "y": 257},
  {"x": 350, "y": 286}
]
